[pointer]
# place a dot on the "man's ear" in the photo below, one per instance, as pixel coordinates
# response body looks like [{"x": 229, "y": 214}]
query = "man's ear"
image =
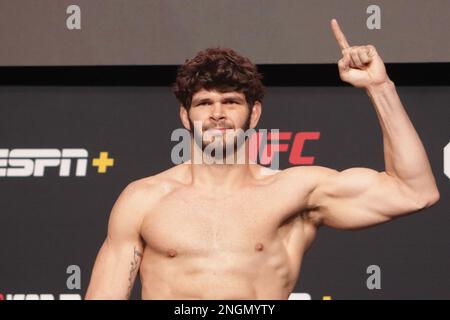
[
  {"x": 184, "y": 116},
  {"x": 255, "y": 114}
]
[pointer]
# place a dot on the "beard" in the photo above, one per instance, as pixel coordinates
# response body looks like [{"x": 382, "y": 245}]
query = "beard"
[{"x": 226, "y": 143}]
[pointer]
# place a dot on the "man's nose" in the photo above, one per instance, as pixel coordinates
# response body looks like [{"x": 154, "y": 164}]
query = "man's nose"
[{"x": 218, "y": 111}]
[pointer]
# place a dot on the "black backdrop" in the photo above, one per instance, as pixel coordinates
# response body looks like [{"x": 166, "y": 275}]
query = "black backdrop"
[{"x": 48, "y": 223}]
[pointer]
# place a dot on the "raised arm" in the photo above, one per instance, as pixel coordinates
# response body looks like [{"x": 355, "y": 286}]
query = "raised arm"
[
  {"x": 361, "y": 197},
  {"x": 119, "y": 258}
]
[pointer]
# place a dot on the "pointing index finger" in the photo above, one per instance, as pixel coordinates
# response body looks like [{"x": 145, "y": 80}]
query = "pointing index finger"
[{"x": 340, "y": 37}]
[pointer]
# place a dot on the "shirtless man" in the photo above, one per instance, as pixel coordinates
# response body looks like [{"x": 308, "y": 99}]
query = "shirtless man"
[{"x": 214, "y": 231}]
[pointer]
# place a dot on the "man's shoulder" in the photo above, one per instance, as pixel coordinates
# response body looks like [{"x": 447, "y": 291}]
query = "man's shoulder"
[
  {"x": 139, "y": 197},
  {"x": 152, "y": 188}
]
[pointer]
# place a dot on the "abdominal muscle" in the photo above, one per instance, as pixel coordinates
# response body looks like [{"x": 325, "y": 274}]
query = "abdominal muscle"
[{"x": 261, "y": 271}]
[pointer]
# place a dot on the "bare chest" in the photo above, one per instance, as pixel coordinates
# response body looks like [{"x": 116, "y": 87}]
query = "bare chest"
[{"x": 191, "y": 224}]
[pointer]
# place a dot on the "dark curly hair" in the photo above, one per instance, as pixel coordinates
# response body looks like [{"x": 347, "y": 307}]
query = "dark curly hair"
[{"x": 221, "y": 69}]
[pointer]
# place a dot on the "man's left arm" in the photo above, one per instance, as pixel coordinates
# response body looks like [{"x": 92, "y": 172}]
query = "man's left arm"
[{"x": 360, "y": 197}]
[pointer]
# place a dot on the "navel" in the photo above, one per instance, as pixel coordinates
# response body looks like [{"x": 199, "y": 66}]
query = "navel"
[
  {"x": 171, "y": 253},
  {"x": 259, "y": 246}
]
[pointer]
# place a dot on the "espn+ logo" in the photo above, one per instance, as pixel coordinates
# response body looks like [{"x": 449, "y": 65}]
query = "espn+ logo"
[{"x": 37, "y": 162}]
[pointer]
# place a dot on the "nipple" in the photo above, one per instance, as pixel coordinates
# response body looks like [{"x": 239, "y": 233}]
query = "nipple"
[
  {"x": 259, "y": 246},
  {"x": 171, "y": 253}
]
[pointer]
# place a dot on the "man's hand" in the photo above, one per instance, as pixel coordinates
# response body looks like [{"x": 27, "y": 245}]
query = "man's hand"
[{"x": 361, "y": 66}]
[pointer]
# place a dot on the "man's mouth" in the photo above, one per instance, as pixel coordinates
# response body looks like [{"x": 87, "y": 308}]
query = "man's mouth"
[{"x": 222, "y": 129}]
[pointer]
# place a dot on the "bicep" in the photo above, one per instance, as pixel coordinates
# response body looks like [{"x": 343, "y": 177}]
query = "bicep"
[
  {"x": 360, "y": 197},
  {"x": 119, "y": 257}
]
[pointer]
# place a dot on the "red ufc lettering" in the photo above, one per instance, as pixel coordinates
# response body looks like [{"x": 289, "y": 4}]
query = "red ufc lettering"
[
  {"x": 271, "y": 148},
  {"x": 266, "y": 148},
  {"x": 297, "y": 147}
]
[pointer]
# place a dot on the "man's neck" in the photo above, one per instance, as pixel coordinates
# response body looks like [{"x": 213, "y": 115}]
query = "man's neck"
[
  {"x": 227, "y": 173},
  {"x": 221, "y": 176}
]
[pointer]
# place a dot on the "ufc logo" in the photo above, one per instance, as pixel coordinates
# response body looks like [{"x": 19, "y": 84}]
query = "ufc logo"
[{"x": 286, "y": 142}]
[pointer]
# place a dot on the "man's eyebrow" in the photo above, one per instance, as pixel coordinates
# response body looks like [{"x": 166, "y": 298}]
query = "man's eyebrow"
[
  {"x": 238, "y": 98},
  {"x": 200, "y": 99}
]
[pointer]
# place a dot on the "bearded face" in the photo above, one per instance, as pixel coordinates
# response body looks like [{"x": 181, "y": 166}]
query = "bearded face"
[{"x": 215, "y": 117}]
